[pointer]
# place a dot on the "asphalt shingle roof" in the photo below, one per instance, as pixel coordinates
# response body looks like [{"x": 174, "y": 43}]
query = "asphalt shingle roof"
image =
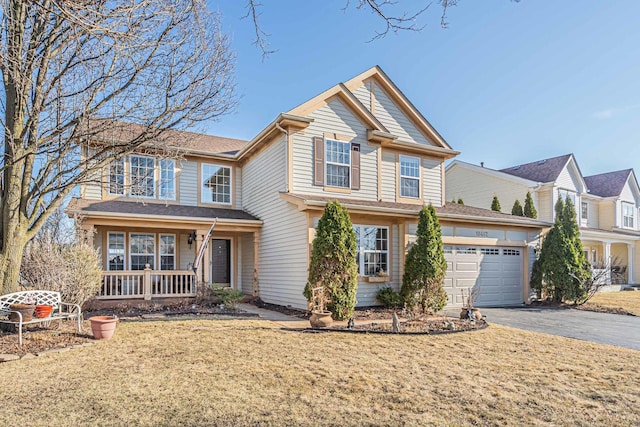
[
  {"x": 607, "y": 184},
  {"x": 546, "y": 170}
]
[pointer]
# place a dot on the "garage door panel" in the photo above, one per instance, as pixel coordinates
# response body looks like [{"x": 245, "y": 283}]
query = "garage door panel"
[{"x": 497, "y": 277}]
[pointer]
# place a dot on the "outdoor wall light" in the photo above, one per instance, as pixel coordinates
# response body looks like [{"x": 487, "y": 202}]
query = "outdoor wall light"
[{"x": 191, "y": 238}]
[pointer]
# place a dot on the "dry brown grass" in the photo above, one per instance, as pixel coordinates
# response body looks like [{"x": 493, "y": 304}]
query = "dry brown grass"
[
  {"x": 627, "y": 300},
  {"x": 248, "y": 372}
]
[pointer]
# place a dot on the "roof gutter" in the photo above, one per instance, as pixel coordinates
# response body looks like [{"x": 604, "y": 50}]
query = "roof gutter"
[{"x": 104, "y": 214}]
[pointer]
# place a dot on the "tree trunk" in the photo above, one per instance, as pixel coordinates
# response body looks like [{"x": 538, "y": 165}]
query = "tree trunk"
[{"x": 11, "y": 260}]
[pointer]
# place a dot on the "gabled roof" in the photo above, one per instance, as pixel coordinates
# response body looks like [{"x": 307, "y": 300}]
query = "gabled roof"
[
  {"x": 491, "y": 172},
  {"x": 546, "y": 170},
  {"x": 608, "y": 184}
]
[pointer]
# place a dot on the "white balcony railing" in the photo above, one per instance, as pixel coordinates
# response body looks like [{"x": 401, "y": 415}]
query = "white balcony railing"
[{"x": 147, "y": 284}]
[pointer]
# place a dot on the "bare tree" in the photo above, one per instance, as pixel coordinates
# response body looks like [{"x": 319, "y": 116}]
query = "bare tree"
[{"x": 72, "y": 72}]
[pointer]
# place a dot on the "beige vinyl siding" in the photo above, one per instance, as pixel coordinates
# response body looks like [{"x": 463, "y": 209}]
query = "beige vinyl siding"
[
  {"x": 607, "y": 215},
  {"x": 545, "y": 205},
  {"x": 397, "y": 249},
  {"x": 237, "y": 184},
  {"x": 363, "y": 93},
  {"x": 432, "y": 184},
  {"x": 93, "y": 190},
  {"x": 246, "y": 267},
  {"x": 188, "y": 182},
  {"x": 187, "y": 254},
  {"x": 395, "y": 120},
  {"x": 567, "y": 181},
  {"x": 477, "y": 189},
  {"x": 283, "y": 238},
  {"x": 636, "y": 263},
  {"x": 388, "y": 176},
  {"x": 593, "y": 220},
  {"x": 334, "y": 117},
  {"x": 97, "y": 243}
]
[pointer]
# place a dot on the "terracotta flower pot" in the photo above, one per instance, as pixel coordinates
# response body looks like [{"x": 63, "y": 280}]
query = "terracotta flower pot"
[
  {"x": 320, "y": 319},
  {"x": 103, "y": 327},
  {"x": 26, "y": 310},
  {"x": 43, "y": 311}
]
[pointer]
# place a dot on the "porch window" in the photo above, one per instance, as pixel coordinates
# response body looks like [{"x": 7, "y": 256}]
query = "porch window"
[
  {"x": 115, "y": 252},
  {"x": 338, "y": 163},
  {"x": 628, "y": 215},
  {"x": 409, "y": 177},
  {"x": 142, "y": 249},
  {"x": 216, "y": 184},
  {"x": 167, "y": 183},
  {"x": 167, "y": 252},
  {"x": 116, "y": 177},
  {"x": 372, "y": 250},
  {"x": 141, "y": 176}
]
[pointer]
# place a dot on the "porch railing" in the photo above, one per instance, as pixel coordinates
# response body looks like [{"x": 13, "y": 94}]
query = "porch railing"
[{"x": 146, "y": 284}]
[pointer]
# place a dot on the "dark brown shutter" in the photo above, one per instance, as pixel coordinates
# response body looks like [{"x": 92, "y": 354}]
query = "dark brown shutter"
[
  {"x": 355, "y": 166},
  {"x": 318, "y": 160}
]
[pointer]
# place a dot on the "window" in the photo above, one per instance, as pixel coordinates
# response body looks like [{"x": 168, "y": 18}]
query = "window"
[
  {"x": 567, "y": 193},
  {"x": 490, "y": 251},
  {"x": 142, "y": 248},
  {"x": 167, "y": 183},
  {"x": 409, "y": 177},
  {"x": 141, "y": 176},
  {"x": 116, "y": 177},
  {"x": 338, "y": 163},
  {"x": 216, "y": 184},
  {"x": 115, "y": 251},
  {"x": 167, "y": 252},
  {"x": 511, "y": 252},
  {"x": 373, "y": 250},
  {"x": 628, "y": 211},
  {"x": 466, "y": 251},
  {"x": 584, "y": 211}
]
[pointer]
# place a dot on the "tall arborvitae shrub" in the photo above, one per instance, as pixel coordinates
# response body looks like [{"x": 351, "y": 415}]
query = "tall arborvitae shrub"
[
  {"x": 563, "y": 268},
  {"x": 495, "y": 204},
  {"x": 333, "y": 261},
  {"x": 517, "y": 209},
  {"x": 529, "y": 209},
  {"x": 425, "y": 266}
]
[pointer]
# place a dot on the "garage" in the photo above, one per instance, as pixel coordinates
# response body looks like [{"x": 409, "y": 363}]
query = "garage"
[{"x": 494, "y": 273}]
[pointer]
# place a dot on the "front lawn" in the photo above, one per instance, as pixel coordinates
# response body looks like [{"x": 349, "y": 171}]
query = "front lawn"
[
  {"x": 249, "y": 372},
  {"x": 627, "y": 300}
]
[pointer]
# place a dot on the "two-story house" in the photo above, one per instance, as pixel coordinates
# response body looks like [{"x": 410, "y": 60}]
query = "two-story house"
[
  {"x": 606, "y": 204},
  {"x": 362, "y": 143}
]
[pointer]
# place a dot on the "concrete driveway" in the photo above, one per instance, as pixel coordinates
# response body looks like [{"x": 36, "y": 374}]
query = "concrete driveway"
[{"x": 603, "y": 328}]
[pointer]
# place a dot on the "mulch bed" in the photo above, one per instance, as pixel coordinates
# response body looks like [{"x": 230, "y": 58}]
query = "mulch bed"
[
  {"x": 588, "y": 306},
  {"x": 37, "y": 338}
]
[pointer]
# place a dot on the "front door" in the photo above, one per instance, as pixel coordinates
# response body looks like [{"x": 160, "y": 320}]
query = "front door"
[{"x": 221, "y": 261}]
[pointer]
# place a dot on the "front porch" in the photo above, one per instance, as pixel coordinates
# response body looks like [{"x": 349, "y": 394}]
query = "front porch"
[{"x": 612, "y": 261}]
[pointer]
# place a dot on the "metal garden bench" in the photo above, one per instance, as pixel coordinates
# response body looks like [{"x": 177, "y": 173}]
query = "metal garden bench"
[{"x": 61, "y": 310}]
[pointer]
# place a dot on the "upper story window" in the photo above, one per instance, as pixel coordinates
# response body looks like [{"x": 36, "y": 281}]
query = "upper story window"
[
  {"x": 409, "y": 176},
  {"x": 564, "y": 194},
  {"x": 141, "y": 175},
  {"x": 167, "y": 182},
  {"x": 216, "y": 184},
  {"x": 338, "y": 163},
  {"x": 628, "y": 215},
  {"x": 116, "y": 177},
  {"x": 584, "y": 211},
  {"x": 373, "y": 250}
]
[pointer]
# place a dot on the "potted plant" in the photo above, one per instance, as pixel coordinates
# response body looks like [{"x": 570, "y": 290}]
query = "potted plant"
[
  {"x": 43, "y": 310},
  {"x": 26, "y": 308},
  {"x": 320, "y": 316},
  {"x": 468, "y": 310},
  {"x": 103, "y": 327}
]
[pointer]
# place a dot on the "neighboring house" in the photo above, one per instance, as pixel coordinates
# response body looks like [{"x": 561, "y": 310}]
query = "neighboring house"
[
  {"x": 362, "y": 143},
  {"x": 607, "y": 205}
]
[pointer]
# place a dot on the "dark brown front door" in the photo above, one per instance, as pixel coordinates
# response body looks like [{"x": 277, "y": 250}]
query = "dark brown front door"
[{"x": 221, "y": 261}]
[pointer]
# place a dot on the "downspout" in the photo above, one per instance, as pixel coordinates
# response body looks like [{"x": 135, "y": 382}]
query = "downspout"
[{"x": 286, "y": 156}]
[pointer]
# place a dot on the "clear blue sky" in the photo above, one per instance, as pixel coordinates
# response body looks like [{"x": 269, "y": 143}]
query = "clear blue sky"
[{"x": 506, "y": 83}]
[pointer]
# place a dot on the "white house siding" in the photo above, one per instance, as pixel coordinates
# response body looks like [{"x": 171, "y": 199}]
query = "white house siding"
[
  {"x": 432, "y": 185},
  {"x": 567, "y": 180},
  {"x": 187, "y": 254},
  {"x": 627, "y": 194},
  {"x": 188, "y": 183},
  {"x": 237, "y": 183},
  {"x": 334, "y": 117},
  {"x": 246, "y": 260},
  {"x": 283, "y": 239},
  {"x": 477, "y": 189},
  {"x": 395, "y": 120},
  {"x": 388, "y": 176}
]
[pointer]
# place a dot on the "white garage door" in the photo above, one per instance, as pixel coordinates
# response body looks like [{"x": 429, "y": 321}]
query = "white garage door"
[{"x": 495, "y": 273}]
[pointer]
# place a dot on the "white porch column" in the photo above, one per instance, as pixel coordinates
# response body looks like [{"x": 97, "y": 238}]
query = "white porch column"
[
  {"x": 630, "y": 256},
  {"x": 607, "y": 261}
]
